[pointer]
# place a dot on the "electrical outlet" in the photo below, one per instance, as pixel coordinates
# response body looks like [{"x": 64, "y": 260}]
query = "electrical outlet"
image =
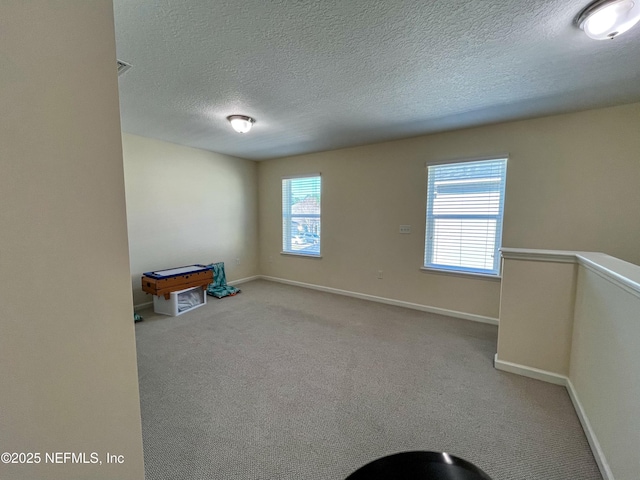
[
  {"x": 270, "y": 258},
  {"x": 405, "y": 228},
  {"x": 379, "y": 274},
  {"x": 237, "y": 261}
]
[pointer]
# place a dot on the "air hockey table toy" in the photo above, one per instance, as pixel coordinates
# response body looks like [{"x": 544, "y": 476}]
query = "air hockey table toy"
[{"x": 163, "y": 282}]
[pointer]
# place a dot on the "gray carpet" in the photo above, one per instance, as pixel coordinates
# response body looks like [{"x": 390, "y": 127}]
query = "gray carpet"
[{"x": 282, "y": 382}]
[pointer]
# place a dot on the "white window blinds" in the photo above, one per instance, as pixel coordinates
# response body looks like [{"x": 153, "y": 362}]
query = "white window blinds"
[
  {"x": 301, "y": 215},
  {"x": 465, "y": 203}
]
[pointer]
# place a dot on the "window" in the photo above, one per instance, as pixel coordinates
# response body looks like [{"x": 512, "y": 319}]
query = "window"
[
  {"x": 465, "y": 203},
  {"x": 301, "y": 215}
]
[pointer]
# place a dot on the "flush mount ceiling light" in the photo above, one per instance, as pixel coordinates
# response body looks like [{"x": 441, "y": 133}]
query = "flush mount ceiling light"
[
  {"x": 606, "y": 19},
  {"x": 241, "y": 123}
]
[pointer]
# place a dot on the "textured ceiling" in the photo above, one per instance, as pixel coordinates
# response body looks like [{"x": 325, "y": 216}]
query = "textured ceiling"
[{"x": 320, "y": 75}]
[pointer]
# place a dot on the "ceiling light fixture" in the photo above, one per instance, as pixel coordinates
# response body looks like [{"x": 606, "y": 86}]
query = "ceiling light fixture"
[
  {"x": 241, "y": 123},
  {"x": 606, "y": 19}
]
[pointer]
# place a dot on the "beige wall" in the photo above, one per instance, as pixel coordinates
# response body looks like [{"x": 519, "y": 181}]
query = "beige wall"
[
  {"x": 536, "y": 314},
  {"x": 572, "y": 183},
  {"x": 67, "y": 348},
  {"x": 188, "y": 206},
  {"x": 604, "y": 368}
]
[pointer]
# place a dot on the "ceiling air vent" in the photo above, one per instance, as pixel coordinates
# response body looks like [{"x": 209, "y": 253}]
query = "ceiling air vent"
[{"x": 122, "y": 66}]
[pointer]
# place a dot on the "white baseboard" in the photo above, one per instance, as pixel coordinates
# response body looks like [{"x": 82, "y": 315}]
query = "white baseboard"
[
  {"x": 530, "y": 372},
  {"x": 363, "y": 296},
  {"x": 388, "y": 301},
  {"x": 558, "y": 379},
  {"x": 140, "y": 306},
  {"x": 243, "y": 280},
  {"x": 598, "y": 454}
]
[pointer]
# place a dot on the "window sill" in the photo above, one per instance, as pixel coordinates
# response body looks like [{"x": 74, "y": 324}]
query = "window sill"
[
  {"x": 305, "y": 255},
  {"x": 453, "y": 273}
]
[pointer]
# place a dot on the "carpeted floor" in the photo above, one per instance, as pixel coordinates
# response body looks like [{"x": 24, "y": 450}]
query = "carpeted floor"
[{"x": 285, "y": 383}]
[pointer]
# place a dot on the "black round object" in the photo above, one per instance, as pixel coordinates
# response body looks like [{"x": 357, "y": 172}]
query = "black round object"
[{"x": 419, "y": 466}]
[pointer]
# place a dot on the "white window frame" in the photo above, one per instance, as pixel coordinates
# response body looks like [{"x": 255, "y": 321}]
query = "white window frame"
[
  {"x": 428, "y": 265},
  {"x": 287, "y": 217}
]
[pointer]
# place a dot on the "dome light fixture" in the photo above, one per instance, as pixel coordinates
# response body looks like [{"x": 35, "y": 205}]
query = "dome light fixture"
[
  {"x": 606, "y": 19},
  {"x": 241, "y": 123}
]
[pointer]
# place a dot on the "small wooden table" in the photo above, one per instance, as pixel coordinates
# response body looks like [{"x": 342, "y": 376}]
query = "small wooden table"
[{"x": 163, "y": 282}]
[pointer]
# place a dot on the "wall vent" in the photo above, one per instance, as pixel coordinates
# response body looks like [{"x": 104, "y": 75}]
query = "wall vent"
[{"x": 122, "y": 66}]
